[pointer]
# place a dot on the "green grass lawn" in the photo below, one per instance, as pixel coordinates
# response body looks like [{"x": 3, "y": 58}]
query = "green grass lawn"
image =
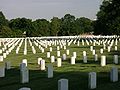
[{"x": 77, "y": 74}]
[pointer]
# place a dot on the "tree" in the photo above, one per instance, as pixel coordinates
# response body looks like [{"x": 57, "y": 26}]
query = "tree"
[
  {"x": 4, "y": 26},
  {"x": 68, "y": 25},
  {"x": 6, "y": 32},
  {"x": 55, "y": 26},
  {"x": 21, "y": 25},
  {"x": 83, "y": 25},
  {"x": 108, "y": 18},
  {"x": 42, "y": 27},
  {"x": 3, "y": 20}
]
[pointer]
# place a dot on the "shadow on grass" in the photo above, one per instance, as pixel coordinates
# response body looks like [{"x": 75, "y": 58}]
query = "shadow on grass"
[{"x": 39, "y": 80}]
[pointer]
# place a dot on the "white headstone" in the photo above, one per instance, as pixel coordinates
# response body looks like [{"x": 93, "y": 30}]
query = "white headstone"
[
  {"x": 64, "y": 57},
  {"x": 42, "y": 65},
  {"x": 33, "y": 50},
  {"x": 104, "y": 46},
  {"x": 24, "y": 61},
  {"x": 48, "y": 54},
  {"x": 72, "y": 60},
  {"x": 24, "y": 88},
  {"x": 109, "y": 48},
  {"x": 0, "y": 51},
  {"x": 50, "y": 49},
  {"x": 83, "y": 42},
  {"x": 39, "y": 59},
  {"x": 74, "y": 54},
  {"x": 1, "y": 58},
  {"x": 114, "y": 74},
  {"x": 116, "y": 59},
  {"x": 67, "y": 52},
  {"x": 42, "y": 50},
  {"x": 3, "y": 49},
  {"x": 7, "y": 52},
  {"x": 50, "y": 70},
  {"x": 4, "y": 55},
  {"x": 96, "y": 57},
  {"x": 84, "y": 53},
  {"x": 78, "y": 43},
  {"x": 25, "y": 76},
  {"x": 103, "y": 60},
  {"x": 101, "y": 51},
  {"x": 22, "y": 66},
  {"x": 115, "y": 48},
  {"x": 25, "y": 52},
  {"x": 93, "y": 43},
  {"x": 91, "y": 48},
  {"x": 58, "y": 48},
  {"x": 8, "y": 65},
  {"x": 93, "y": 52},
  {"x": 2, "y": 72},
  {"x": 63, "y": 84},
  {"x": 61, "y": 46},
  {"x": 84, "y": 59},
  {"x": 92, "y": 80},
  {"x": 64, "y": 47},
  {"x": 17, "y": 50},
  {"x": 59, "y": 62},
  {"x": 52, "y": 59},
  {"x": 58, "y": 53}
]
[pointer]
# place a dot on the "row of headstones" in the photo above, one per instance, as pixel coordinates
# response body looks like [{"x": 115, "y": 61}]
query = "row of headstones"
[
  {"x": 41, "y": 61},
  {"x": 25, "y": 50},
  {"x": 42, "y": 49},
  {"x": 25, "y": 46},
  {"x": 36, "y": 43},
  {"x": 64, "y": 57},
  {"x": 84, "y": 56},
  {"x": 24, "y": 72},
  {"x": 109, "y": 47},
  {"x": 20, "y": 44},
  {"x": 84, "y": 37},
  {"x": 92, "y": 80},
  {"x": 33, "y": 49},
  {"x": 104, "y": 47},
  {"x": 94, "y": 41},
  {"x": 8, "y": 48},
  {"x": 59, "y": 60}
]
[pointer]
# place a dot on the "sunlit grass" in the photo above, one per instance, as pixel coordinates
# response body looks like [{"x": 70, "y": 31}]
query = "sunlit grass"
[{"x": 76, "y": 74}]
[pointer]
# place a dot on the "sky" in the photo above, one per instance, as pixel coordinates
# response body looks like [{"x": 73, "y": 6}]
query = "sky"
[{"x": 38, "y": 9}]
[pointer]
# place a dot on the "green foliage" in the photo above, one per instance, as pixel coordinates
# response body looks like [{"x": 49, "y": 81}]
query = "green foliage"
[
  {"x": 55, "y": 26},
  {"x": 42, "y": 27},
  {"x": 83, "y": 25},
  {"x": 76, "y": 74},
  {"x": 23, "y": 24},
  {"x": 3, "y": 21},
  {"x": 6, "y": 32},
  {"x": 68, "y": 25},
  {"x": 108, "y": 18}
]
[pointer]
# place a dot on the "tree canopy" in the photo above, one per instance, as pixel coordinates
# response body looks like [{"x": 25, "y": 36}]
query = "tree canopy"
[
  {"x": 108, "y": 18},
  {"x": 67, "y": 25}
]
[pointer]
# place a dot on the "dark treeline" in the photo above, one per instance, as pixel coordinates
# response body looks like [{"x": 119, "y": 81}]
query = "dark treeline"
[
  {"x": 107, "y": 23},
  {"x": 68, "y": 25},
  {"x": 108, "y": 18}
]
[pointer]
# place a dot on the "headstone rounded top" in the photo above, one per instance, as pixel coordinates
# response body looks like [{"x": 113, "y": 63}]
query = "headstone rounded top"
[{"x": 24, "y": 88}]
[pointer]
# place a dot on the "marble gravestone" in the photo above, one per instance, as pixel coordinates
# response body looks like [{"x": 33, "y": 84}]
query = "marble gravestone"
[{"x": 63, "y": 84}]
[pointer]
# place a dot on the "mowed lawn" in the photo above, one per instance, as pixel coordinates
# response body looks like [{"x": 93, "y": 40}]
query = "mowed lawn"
[{"x": 77, "y": 74}]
